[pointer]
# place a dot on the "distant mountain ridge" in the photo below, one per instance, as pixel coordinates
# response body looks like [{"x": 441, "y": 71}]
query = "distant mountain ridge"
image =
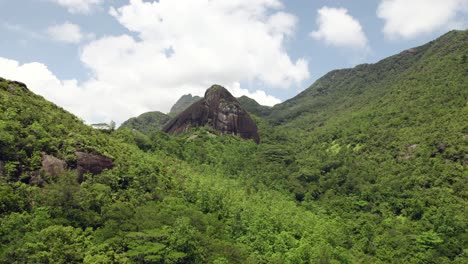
[
  {"x": 149, "y": 122},
  {"x": 183, "y": 103},
  {"x": 253, "y": 106}
]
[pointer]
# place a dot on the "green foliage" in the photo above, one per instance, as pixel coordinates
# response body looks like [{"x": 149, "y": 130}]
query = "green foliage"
[
  {"x": 251, "y": 106},
  {"x": 147, "y": 123},
  {"x": 366, "y": 166}
]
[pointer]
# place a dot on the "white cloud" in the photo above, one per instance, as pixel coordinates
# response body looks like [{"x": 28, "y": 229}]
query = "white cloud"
[
  {"x": 79, "y": 6},
  {"x": 336, "y": 27},
  {"x": 260, "y": 96},
  {"x": 41, "y": 80},
  {"x": 217, "y": 41},
  {"x": 409, "y": 19},
  {"x": 67, "y": 32},
  {"x": 228, "y": 40}
]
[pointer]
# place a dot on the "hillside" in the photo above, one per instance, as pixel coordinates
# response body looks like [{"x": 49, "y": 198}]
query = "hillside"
[
  {"x": 388, "y": 144},
  {"x": 31, "y": 127},
  {"x": 167, "y": 199},
  {"x": 147, "y": 123},
  {"x": 253, "y": 106},
  {"x": 406, "y": 78},
  {"x": 368, "y": 165}
]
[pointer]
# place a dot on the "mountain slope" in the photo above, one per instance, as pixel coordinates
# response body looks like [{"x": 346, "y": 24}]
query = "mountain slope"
[
  {"x": 402, "y": 77},
  {"x": 253, "y": 106},
  {"x": 147, "y": 123},
  {"x": 168, "y": 199},
  {"x": 31, "y": 127},
  {"x": 387, "y": 144}
]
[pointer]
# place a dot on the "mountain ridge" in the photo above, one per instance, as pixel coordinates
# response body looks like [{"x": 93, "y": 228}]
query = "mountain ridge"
[
  {"x": 386, "y": 69},
  {"x": 154, "y": 121}
]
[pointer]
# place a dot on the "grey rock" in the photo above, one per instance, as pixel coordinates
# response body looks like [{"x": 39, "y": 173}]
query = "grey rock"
[{"x": 218, "y": 109}]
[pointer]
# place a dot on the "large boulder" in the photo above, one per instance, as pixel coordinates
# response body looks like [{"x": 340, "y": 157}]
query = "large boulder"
[
  {"x": 53, "y": 166},
  {"x": 91, "y": 163},
  {"x": 218, "y": 109}
]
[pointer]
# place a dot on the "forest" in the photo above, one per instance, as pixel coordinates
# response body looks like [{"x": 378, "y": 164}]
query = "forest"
[{"x": 367, "y": 165}]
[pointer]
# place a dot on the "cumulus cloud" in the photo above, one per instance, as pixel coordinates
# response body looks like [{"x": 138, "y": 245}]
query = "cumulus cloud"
[
  {"x": 409, "y": 19},
  {"x": 79, "y": 6},
  {"x": 41, "y": 80},
  {"x": 177, "y": 47},
  {"x": 336, "y": 27},
  {"x": 67, "y": 32},
  {"x": 260, "y": 96},
  {"x": 223, "y": 40}
]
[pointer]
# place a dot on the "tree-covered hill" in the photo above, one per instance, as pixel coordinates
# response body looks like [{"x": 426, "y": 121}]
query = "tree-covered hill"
[
  {"x": 409, "y": 78},
  {"x": 147, "y": 122},
  {"x": 386, "y": 146},
  {"x": 253, "y": 106},
  {"x": 368, "y": 165},
  {"x": 197, "y": 198}
]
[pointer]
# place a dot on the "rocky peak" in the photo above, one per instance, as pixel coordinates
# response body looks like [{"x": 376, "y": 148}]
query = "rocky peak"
[
  {"x": 218, "y": 109},
  {"x": 216, "y": 93}
]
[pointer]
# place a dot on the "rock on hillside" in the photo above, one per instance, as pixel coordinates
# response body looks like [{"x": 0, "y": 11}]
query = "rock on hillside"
[{"x": 218, "y": 109}]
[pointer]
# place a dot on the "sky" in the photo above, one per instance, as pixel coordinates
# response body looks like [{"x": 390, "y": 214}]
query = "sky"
[{"x": 109, "y": 60}]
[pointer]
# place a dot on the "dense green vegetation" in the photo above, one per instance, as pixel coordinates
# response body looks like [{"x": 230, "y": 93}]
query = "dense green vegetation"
[
  {"x": 368, "y": 165},
  {"x": 147, "y": 122},
  {"x": 252, "y": 106}
]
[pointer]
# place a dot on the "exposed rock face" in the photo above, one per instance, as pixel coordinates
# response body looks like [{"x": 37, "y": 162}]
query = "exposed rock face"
[
  {"x": 53, "y": 166},
  {"x": 218, "y": 109},
  {"x": 91, "y": 163}
]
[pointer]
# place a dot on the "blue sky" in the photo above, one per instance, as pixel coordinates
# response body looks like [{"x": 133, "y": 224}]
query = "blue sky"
[{"x": 113, "y": 59}]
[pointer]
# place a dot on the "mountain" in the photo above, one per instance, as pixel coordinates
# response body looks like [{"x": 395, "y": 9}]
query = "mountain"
[
  {"x": 408, "y": 79},
  {"x": 387, "y": 143},
  {"x": 252, "y": 106},
  {"x": 147, "y": 123},
  {"x": 218, "y": 109},
  {"x": 150, "y": 122},
  {"x": 183, "y": 103},
  {"x": 368, "y": 165}
]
